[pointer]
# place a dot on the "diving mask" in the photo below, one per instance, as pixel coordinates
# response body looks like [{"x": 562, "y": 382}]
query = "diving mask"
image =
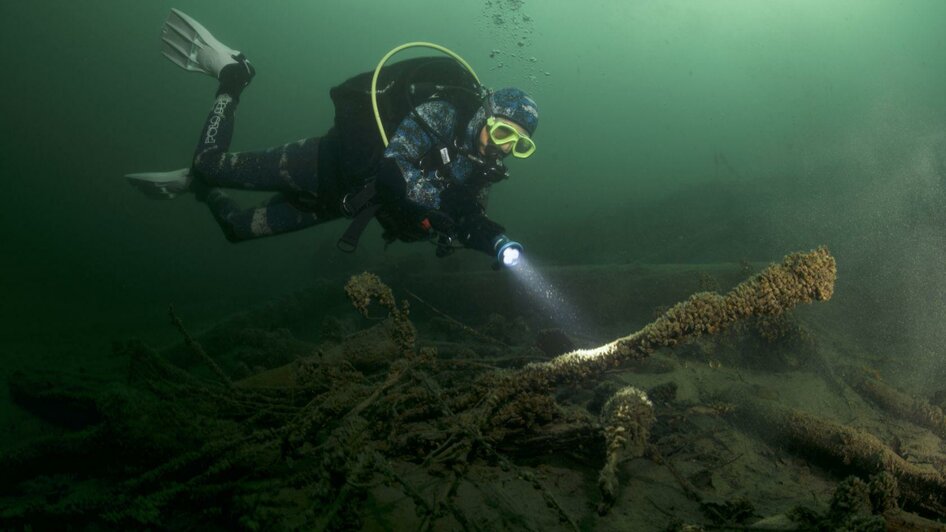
[{"x": 504, "y": 133}]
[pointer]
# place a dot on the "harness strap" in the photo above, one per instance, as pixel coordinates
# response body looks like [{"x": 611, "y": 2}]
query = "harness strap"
[
  {"x": 362, "y": 210},
  {"x": 352, "y": 205},
  {"x": 441, "y": 153},
  {"x": 349, "y": 240}
]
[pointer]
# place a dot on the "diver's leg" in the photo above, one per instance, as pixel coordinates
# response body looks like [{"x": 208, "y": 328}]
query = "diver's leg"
[
  {"x": 292, "y": 167},
  {"x": 275, "y": 217}
]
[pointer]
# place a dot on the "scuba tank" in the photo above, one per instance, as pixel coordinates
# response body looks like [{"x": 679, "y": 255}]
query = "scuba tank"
[{"x": 401, "y": 87}]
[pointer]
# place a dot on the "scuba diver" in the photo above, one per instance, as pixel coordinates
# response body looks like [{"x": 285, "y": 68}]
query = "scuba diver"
[{"x": 428, "y": 183}]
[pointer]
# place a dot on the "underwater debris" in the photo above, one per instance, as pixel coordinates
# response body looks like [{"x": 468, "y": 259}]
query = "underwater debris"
[
  {"x": 627, "y": 418},
  {"x": 800, "y": 278},
  {"x": 863, "y": 506},
  {"x": 364, "y": 288},
  {"x": 897, "y": 403},
  {"x": 664, "y": 393},
  {"x": 766, "y": 342},
  {"x": 310, "y": 444},
  {"x": 843, "y": 447},
  {"x": 780, "y": 329},
  {"x": 196, "y": 347},
  {"x": 729, "y": 513}
]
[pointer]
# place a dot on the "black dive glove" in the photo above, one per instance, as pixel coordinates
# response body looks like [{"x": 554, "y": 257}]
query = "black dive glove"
[
  {"x": 440, "y": 222},
  {"x": 478, "y": 232}
]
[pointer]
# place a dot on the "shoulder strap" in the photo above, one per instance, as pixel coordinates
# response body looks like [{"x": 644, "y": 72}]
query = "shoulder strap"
[
  {"x": 349, "y": 240},
  {"x": 443, "y": 151}
]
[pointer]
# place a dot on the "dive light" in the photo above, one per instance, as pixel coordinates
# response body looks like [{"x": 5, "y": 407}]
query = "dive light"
[{"x": 508, "y": 251}]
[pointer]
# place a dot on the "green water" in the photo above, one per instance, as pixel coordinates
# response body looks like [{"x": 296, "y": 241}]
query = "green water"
[{"x": 671, "y": 131}]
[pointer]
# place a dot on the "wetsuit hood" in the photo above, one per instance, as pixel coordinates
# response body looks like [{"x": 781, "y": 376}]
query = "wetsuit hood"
[
  {"x": 510, "y": 103},
  {"x": 476, "y": 123},
  {"x": 515, "y": 105}
]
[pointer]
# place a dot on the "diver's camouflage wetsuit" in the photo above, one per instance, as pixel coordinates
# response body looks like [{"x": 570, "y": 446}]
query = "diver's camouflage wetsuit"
[{"x": 306, "y": 175}]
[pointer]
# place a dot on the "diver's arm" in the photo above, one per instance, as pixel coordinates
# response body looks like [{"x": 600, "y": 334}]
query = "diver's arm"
[
  {"x": 403, "y": 188},
  {"x": 391, "y": 186},
  {"x": 476, "y": 231},
  {"x": 482, "y": 234},
  {"x": 412, "y": 141}
]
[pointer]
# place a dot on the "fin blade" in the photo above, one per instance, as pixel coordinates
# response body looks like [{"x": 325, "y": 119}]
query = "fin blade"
[
  {"x": 175, "y": 54},
  {"x": 161, "y": 185},
  {"x": 190, "y": 28},
  {"x": 181, "y": 58},
  {"x": 189, "y": 45}
]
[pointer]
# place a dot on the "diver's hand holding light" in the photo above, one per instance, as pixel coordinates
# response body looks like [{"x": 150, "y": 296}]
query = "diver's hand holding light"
[{"x": 508, "y": 252}]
